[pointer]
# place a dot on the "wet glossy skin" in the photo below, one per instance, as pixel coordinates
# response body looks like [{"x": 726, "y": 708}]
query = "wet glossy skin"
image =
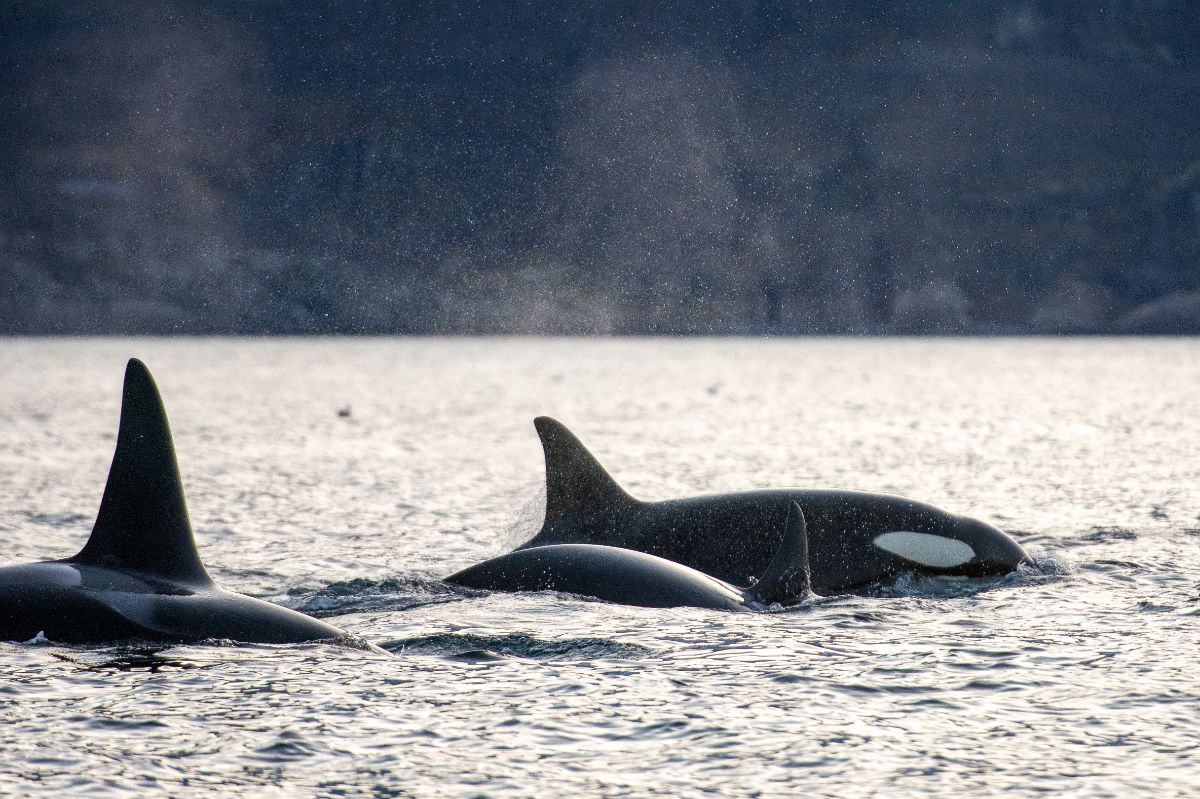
[
  {"x": 73, "y": 603},
  {"x": 732, "y": 536},
  {"x": 614, "y": 575},
  {"x": 140, "y": 576}
]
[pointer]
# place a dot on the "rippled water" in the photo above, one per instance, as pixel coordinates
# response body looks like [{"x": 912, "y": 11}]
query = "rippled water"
[{"x": 1077, "y": 677}]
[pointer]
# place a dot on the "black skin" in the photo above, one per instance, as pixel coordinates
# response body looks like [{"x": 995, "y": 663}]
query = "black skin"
[
  {"x": 614, "y": 575},
  {"x": 636, "y": 578},
  {"x": 729, "y": 536},
  {"x": 139, "y": 577},
  {"x": 78, "y": 604}
]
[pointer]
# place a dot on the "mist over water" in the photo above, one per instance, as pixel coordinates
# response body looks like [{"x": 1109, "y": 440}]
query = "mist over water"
[
  {"x": 345, "y": 477},
  {"x": 441, "y": 167}
]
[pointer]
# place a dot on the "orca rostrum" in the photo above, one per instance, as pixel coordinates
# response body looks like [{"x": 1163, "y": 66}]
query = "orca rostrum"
[
  {"x": 627, "y": 577},
  {"x": 140, "y": 577},
  {"x": 856, "y": 538}
]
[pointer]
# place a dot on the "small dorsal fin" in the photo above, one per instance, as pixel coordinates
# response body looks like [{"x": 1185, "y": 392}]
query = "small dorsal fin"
[
  {"x": 788, "y": 576},
  {"x": 577, "y": 486},
  {"x": 143, "y": 523}
]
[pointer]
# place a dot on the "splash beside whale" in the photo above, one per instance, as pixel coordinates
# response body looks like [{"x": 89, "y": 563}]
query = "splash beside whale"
[
  {"x": 140, "y": 577},
  {"x": 855, "y": 538}
]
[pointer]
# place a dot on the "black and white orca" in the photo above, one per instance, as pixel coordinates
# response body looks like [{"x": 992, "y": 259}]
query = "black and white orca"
[
  {"x": 626, "y": 577},
  {"x": 139, "y": 577},
  {"x": 856, "y": 538}
]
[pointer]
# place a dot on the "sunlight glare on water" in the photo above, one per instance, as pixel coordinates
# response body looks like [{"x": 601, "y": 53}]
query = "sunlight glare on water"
[{"x": 343, "y": 477}]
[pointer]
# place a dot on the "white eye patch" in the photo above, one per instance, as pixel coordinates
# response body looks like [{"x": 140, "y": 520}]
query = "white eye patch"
[{"x": 925, "y": 549}]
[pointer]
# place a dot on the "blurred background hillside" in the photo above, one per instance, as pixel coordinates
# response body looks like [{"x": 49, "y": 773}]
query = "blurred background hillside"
[{"x": 591, "y": 167}]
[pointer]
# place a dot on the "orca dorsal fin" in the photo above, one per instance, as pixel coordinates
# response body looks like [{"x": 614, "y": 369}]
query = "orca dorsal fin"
[
  {"x": 788, "y": 576},
  {"x": 577, "y": 486},
  {"x": 143, "y": 523}
]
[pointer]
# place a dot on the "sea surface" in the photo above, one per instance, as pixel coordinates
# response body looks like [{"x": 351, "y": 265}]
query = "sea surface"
[{"x": 343, "y": 477}]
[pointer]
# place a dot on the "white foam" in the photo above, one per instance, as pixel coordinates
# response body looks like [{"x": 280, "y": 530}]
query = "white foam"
[{"x": 926, "y": 549}]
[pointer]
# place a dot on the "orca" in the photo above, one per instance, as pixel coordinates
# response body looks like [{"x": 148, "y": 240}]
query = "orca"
[
  {"x": 857, "y": 539},
  {"x": 140, "y": 577},
  {"x": 627, "y": 577}
]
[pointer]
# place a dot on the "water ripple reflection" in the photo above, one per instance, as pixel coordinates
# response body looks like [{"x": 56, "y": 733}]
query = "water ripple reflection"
[{"x": 1073, "y": 677}]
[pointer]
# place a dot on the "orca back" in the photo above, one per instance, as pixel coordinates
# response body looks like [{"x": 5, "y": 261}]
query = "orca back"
[{"x": 612, "y": 574}]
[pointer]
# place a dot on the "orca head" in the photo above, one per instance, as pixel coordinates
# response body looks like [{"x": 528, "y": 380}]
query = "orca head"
[
  {"x": 584, "y": 504},
  {"x": 963, "y": 546},
  {"x": 995, "y": 550}
]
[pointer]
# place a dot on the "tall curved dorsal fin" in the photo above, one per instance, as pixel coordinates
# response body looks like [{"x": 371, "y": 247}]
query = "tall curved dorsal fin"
[
  {"x": 143, "y": 523},
  {"x": 788, "y": 576},
  {"x": 577, "y": 486}
]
